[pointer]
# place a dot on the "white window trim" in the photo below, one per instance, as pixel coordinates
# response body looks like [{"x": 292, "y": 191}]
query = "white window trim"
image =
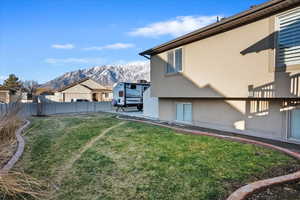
[{"x": 174, "y": 61}]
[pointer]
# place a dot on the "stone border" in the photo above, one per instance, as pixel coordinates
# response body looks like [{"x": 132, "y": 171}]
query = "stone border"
[
  {"x": 20, "y": 149},
  {"x": 247, "y": 190}
]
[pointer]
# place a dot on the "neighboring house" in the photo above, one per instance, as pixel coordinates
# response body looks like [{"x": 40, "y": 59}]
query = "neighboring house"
[
  {"x": 7, "y": 95},
  {"x": 241, "y": 74},
  {"x": 24, "y": 97},
  {"x": 11, "y": 95},
  {"x": 44, "y": 95},
  {"x": 85, "y": 89}
]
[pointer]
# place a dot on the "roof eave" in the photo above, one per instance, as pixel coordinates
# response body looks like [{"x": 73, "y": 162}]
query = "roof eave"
[{"x": 256, "y": 13}]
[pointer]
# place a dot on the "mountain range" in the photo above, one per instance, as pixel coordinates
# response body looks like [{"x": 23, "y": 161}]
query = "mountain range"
[{"x": 106, "y": 75}]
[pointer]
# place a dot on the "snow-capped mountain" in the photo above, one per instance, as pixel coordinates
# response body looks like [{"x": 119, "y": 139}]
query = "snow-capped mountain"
[{"x": 106, "y": 75}]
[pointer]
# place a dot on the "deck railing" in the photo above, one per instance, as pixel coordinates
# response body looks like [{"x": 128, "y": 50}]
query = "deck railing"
[
  {"x": 264, "y": 91},
  {"x": 272, "y": 90},
  {"x": 295, "y": 85}
]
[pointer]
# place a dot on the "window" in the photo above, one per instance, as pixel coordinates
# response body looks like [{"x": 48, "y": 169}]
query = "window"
[
  {"x": 288, "y": 47},
  {"x": 295, "y": 124},
  {"x": 133, "y": 87},
  {"x": 178, "y": 60},
  {"x": 121, "y": 93},
  {"x": 106, "y": 95},
  {"x": 184, "y": 112},
  {"x": 174, "y": 61}
]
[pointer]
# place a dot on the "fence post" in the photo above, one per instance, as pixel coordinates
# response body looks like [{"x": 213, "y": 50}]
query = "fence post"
[{"x": 39, "y": 108}]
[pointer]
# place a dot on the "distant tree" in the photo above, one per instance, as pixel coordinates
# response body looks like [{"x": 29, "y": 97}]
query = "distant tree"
[
  {"x": 13, "y": 82},
  {"x": 30, "y": 86}
]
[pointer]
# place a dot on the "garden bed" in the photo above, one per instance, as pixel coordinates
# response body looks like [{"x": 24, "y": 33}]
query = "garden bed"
[{"x": 281, "y": 192}]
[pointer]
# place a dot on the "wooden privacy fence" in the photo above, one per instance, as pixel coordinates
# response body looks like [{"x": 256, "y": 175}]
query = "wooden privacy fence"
[{"x": 29, "y": 109}]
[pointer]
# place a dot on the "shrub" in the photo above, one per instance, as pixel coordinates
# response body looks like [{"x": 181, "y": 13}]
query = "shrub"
[
  {"x": 16, "y": 185},
  {"x": 9, "y": 123}
]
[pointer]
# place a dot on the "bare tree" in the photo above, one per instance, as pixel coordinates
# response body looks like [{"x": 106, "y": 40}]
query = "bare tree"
[{"x": 30, "y": 86}]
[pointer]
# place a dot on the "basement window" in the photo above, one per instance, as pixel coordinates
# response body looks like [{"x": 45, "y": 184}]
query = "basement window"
[
  {"x": 184, "y": 112},
  {"x": 288, "y": 40},
  {"x": 174, "y": 63}
]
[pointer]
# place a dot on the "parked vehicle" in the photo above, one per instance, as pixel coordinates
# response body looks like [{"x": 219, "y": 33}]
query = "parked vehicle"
[{"x": 129, "y": 95}]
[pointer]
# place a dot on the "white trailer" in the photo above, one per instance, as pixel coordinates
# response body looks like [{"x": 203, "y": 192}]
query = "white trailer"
[{"x": 129, "y": 95}]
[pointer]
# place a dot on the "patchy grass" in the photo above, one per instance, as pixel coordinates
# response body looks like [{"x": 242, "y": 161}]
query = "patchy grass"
[
  {"x": 139, "y": 161},
  {"x": 54, "y": 140}
]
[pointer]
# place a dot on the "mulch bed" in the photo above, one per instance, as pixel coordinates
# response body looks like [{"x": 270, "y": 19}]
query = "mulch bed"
[{"x": 281, "y": 192}]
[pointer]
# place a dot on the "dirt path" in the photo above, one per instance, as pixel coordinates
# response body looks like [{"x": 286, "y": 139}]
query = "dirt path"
[{"x": 69, "y": 163}]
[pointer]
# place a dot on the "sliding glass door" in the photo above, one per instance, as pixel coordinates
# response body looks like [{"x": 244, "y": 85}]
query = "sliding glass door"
[{"x": 295, "y": 124}]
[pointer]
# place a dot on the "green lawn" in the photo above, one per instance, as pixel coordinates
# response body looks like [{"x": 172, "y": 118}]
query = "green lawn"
[{"x": 138, "y": 161}]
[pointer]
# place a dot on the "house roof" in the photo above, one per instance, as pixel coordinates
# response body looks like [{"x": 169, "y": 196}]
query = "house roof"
[
  {"x": 73, "y": 84},
  {"x": 102, "y": 90},
  {"x": 6, "y": 88},
  {"x": 86, "y": 86},
  {"x": 41, "y": 91},
  {"x": 3, "y": 87},
  {"x": 253, "y": 14},
  {"x": 81, "y": 81}
]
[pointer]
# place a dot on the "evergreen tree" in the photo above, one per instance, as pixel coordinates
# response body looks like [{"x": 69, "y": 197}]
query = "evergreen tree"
[{"x": 12, "y": 82}]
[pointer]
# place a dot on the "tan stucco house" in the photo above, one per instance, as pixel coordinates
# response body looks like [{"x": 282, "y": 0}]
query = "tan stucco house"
[
  {"x": 7, "y": 95},
  {"x": 241, "y": 74},
  {"x": 85, "y": 89}
]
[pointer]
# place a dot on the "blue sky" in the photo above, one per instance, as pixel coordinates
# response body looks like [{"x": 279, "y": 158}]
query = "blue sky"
[{"x": 42, "y": 39}]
